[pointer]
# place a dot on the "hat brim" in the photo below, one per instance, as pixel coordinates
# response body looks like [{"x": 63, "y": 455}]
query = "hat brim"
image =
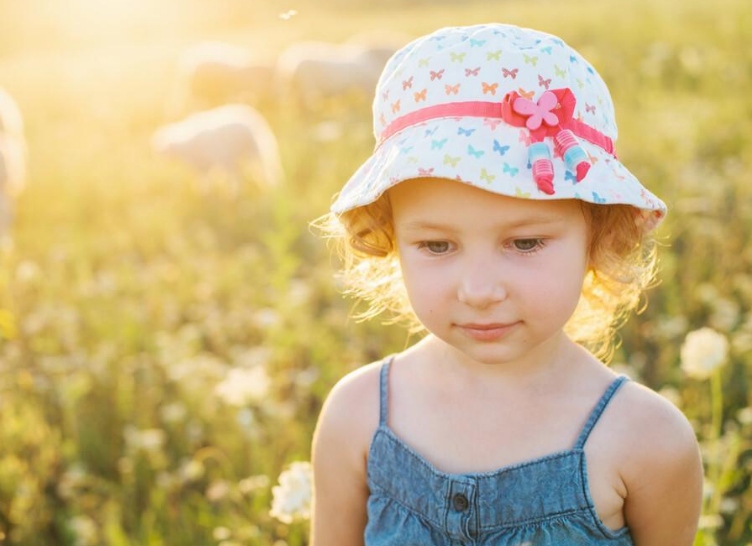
[{"x": 492, "y": 155}]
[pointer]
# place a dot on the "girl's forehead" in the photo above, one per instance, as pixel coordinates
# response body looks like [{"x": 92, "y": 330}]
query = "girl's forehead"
[{"x": 421, "y": 196}]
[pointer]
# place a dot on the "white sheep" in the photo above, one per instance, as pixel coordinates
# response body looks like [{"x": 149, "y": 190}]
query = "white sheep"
[
  {"x": 228, "y": 139},
  {"x": 218, "y": 72},
  {"x": 13, "y": 152},
  {"x": 313, "y": 71}
]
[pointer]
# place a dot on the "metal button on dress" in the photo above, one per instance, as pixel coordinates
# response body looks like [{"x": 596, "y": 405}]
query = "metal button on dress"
[{"x": 460, "y": 502}]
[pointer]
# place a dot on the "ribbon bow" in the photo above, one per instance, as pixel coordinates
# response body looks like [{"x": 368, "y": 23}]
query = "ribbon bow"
[{"x": 550, "y": 116}]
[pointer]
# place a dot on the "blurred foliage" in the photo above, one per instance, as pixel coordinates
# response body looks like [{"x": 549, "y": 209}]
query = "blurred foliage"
[{"x": 128, "y": 295}]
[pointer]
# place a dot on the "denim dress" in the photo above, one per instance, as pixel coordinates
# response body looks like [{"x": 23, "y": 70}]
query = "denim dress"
[{"x": 539, "y": 502}]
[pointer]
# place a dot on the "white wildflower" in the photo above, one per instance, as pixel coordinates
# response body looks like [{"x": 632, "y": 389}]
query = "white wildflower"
[
  {"x": 174, "y": 412},
  {"x": 151, "y": 439},
  {"x": 191, "y": 470},
  {"x": 241, "y": 386},
  {"x": 266, "y": 318},
  {"x": 217, "y": 490},
  {"x": 251, "y": 483},
  {"x": 745, "y": 415},
  {"x": 710, "y": 521},
  {"x": 292, "y": 497},
  {"x": 703, "y": 351},
  {"x": 725, "y": 314},
  {"x": 85, "y": 530},
  {"x": 28, "y": 272},
  {"x": 221, "y": 533},
  {"x": 729, "y": 506}
]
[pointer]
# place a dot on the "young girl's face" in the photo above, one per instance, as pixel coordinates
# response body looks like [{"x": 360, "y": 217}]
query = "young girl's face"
[{"x": 467, "y": 258}]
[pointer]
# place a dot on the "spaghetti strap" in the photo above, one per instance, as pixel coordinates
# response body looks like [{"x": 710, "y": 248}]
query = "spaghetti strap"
[
  {"x": 598, "y": 410},
  {"x": 383, "y": 389}
]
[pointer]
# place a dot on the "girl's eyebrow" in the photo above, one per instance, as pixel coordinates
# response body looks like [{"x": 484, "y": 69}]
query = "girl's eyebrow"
[{"x": 530, "y": 220}]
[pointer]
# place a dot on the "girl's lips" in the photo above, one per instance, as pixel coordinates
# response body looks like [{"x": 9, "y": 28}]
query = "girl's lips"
[
  {"x": 489, "y": 326},
  {"x": 487, "y": 332}
]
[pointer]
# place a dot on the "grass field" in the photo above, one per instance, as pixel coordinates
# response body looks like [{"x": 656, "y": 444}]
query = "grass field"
[{"x": 128, "y": 296}]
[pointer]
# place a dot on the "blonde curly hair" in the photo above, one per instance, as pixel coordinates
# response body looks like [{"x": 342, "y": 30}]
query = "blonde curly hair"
[{"x": 623, "y": 260}]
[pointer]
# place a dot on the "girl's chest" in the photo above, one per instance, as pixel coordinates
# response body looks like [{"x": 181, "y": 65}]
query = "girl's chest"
[{"x": 473, "y": 438}]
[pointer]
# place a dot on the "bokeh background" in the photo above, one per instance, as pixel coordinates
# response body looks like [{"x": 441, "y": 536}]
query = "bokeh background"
[{"x": 165, "y": 352}]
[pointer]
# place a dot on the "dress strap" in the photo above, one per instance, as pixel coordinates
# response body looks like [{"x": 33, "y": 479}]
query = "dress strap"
[
  {"x": 598, "y": 410},
  {"x": 384, "y": 388}
]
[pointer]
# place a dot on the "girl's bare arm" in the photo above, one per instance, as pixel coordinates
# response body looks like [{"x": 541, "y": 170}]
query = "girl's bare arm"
[
  {"x": 340, "y": 491},
  {"x": 664, "y": 476}
]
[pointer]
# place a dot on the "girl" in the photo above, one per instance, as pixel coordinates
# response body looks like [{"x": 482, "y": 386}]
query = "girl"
[{"x": 495, "y": 215}]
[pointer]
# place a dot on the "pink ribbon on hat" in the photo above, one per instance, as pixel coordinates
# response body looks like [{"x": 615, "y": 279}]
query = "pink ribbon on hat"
[{"x": 550, "y": 116}]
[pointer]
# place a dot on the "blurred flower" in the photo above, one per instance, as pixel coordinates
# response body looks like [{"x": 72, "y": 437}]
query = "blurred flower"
[
  {"x": 287, "y": 15},
  {"x": 292, "y": 497},
  {"x": 710, "y": 521},
  {"x": 150, "y": 440},
  {"x": 84, "y": 529},
  {"x": 246, "y": 357},
  {"x": 28, "y": 272},
  {"x": 744, "y": 415},
  {"x": 72, "y": 478},
  {"x": 242, "y": 386},
  {"x": 191, "y": 470},
  {"x": 703, "y": 351},
  {"x": 729, "y": 506},
  {"x": 221, "y": 533},
  {"x": 251, "y": 483},
  {"x": 672, "y": 326},
  {"x": 217, "y": 490},
  {"x": 725, "y": 314},
  {"x": 173, "y": 412},
  {"x": 266, "y": 318}
]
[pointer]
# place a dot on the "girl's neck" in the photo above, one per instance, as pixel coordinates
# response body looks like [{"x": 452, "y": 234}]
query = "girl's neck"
[{"x": 544, "y": 368}]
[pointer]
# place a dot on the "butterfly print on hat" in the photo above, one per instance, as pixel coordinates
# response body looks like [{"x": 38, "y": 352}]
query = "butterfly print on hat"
[
  {"x": 449, "y": 89},
  {"x": 513, "y": 73}
]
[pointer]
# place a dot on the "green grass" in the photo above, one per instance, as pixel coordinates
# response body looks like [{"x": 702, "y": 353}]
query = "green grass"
[{"x": 127, "y": 291}]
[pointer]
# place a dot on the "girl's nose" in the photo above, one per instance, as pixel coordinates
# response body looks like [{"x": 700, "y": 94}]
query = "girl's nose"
[{"x": 480, "y": 287}]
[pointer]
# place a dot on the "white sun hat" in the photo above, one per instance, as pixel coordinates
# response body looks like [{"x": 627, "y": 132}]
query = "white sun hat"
[{"x": 511, "y": 110}]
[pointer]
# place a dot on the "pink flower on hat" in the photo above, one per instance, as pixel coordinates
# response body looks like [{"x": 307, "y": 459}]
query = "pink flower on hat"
[{"x": 537, "y": 112}]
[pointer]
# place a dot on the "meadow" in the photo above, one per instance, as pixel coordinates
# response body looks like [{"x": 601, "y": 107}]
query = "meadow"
[{"x": 164, "y": 354}]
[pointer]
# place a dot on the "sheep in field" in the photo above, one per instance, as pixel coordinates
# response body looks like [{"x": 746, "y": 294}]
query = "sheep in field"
[
  {"x": 228, "y": 139},
  {"x": 218, "y": 72},
  {"x": 314, "y": 71},
  {"x": 13, "y": 152}
]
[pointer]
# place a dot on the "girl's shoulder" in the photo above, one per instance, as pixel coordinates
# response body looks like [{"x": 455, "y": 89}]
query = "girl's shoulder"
[
  {"x": 649, "y": 435},
  {"x": 353, "y": 405}
]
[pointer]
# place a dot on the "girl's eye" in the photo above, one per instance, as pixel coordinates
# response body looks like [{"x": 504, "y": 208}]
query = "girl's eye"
[
  {"x": 435, "y": 247},
  {"x": 525, "y": 246},
  {"x": 528, "y": 248}
]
